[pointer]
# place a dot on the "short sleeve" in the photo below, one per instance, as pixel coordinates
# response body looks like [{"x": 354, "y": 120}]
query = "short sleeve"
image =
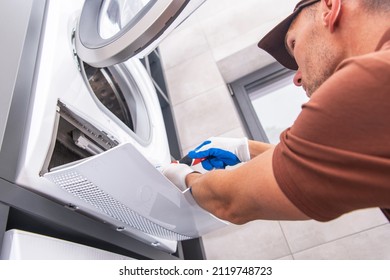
[{"x": 336, "y": 156}]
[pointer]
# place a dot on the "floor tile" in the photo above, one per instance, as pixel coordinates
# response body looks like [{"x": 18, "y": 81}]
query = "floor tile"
[
  {"x": 255, "y": 240},
  {"x": 204, "y": 116},
  {"x": 372, "y": 244},
  {"x": 302, "y": 235},
  {"x": 227, "y": 25},
  {"x": 286, "y": 258},
  {"x": 183, "y": 45},
  {"x": 192, "y": 78}
]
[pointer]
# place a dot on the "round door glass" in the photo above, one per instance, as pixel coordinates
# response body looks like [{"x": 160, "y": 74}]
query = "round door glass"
[
  {"x": 116, "y": 14},
  {"x": 111, "y": 31},
  {"x": 118, "y": 92}
]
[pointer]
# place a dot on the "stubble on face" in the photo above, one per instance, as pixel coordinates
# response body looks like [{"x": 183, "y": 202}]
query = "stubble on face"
[{"x": 321, "y": 60}]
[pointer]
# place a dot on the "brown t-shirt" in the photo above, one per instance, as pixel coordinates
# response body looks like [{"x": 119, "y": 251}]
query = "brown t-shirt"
[{"x": 336, "y": 156}]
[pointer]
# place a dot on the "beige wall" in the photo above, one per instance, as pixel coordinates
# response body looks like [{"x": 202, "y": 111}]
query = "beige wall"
[{"x": 215, "y": 46}]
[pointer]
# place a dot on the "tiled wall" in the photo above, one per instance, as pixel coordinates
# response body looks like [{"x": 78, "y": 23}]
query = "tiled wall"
[{"x": 215, "y": 46}]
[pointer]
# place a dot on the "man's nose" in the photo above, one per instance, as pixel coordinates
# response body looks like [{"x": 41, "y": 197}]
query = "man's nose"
[{"x": 298, "y": 78}]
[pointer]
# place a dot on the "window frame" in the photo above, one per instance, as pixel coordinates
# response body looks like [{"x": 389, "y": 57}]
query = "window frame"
[{"x": 243, "y": 87}]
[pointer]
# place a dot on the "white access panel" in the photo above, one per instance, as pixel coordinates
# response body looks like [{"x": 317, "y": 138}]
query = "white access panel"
[{"x": 122, "y": 184}]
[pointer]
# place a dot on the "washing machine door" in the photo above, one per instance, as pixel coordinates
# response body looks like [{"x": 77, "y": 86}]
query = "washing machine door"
[{"x": 112, "y": 31}]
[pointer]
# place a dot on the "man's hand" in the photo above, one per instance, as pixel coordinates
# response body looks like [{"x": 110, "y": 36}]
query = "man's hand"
[
  {"x": 219, "y": 152},
  {"x": 177, "y": 173}
]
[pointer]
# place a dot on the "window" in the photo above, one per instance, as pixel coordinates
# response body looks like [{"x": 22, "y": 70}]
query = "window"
[{"x": 268, "y": 101}]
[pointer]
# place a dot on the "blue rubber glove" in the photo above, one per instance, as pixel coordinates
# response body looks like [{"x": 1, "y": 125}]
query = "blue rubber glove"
[{"x": 220, "y": 152}]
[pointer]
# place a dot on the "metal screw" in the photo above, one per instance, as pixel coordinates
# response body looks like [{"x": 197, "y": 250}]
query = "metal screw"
[
  {"x": 72, "y": 207},
  {"x": 120, "y": 228}
]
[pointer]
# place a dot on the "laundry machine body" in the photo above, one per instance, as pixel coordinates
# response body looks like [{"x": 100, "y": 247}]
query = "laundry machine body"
[{"x": 85, "y": 128}]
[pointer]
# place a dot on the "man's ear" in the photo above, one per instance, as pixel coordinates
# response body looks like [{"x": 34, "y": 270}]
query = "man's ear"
[{"x": 331, "y": 13}]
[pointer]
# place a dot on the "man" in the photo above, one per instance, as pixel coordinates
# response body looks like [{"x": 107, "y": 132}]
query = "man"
[{"x": 336, "y": 156}]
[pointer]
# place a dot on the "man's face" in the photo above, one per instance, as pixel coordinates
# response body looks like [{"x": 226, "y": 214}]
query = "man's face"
[{"x": 309, "y": 42}]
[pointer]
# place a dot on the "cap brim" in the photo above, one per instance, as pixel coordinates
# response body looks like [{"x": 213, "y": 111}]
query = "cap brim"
[{"x": 274, "y": 43}]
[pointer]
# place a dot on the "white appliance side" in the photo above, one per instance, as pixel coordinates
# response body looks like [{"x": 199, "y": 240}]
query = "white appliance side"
[
  {"x": 23, "y": 245},
  {"x": 10, "y": 53},
  {"x": 57, "y": 77}
]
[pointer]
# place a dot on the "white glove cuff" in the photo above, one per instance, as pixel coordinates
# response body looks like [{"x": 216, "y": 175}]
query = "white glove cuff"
[
  {"x": 242, "y": 150},
  {"x": 177, "y": 173}
]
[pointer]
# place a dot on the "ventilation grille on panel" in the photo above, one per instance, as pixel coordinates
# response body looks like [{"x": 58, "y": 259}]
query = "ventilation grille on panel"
[{"x": 82, "y": 188}]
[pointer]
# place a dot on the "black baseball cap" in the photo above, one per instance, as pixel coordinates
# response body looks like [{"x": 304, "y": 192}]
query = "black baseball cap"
[{"x": 274, "y": 41}]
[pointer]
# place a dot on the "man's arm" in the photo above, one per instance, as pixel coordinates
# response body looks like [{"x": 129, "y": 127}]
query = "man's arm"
[
  {"x": 247, "y": 193},
  {"x": 256, "y": 148}
]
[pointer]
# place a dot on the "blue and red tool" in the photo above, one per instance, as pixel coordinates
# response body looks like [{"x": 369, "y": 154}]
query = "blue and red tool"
[{"x": 190, "y": 161}]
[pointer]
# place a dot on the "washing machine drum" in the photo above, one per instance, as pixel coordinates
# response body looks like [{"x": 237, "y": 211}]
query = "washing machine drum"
[
  {"x": 110, "y": 37},
  {"x": 109, "y": 33}
]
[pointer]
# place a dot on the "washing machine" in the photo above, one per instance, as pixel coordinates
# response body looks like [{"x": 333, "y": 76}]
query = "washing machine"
[{"x": 93, "y": 134}]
